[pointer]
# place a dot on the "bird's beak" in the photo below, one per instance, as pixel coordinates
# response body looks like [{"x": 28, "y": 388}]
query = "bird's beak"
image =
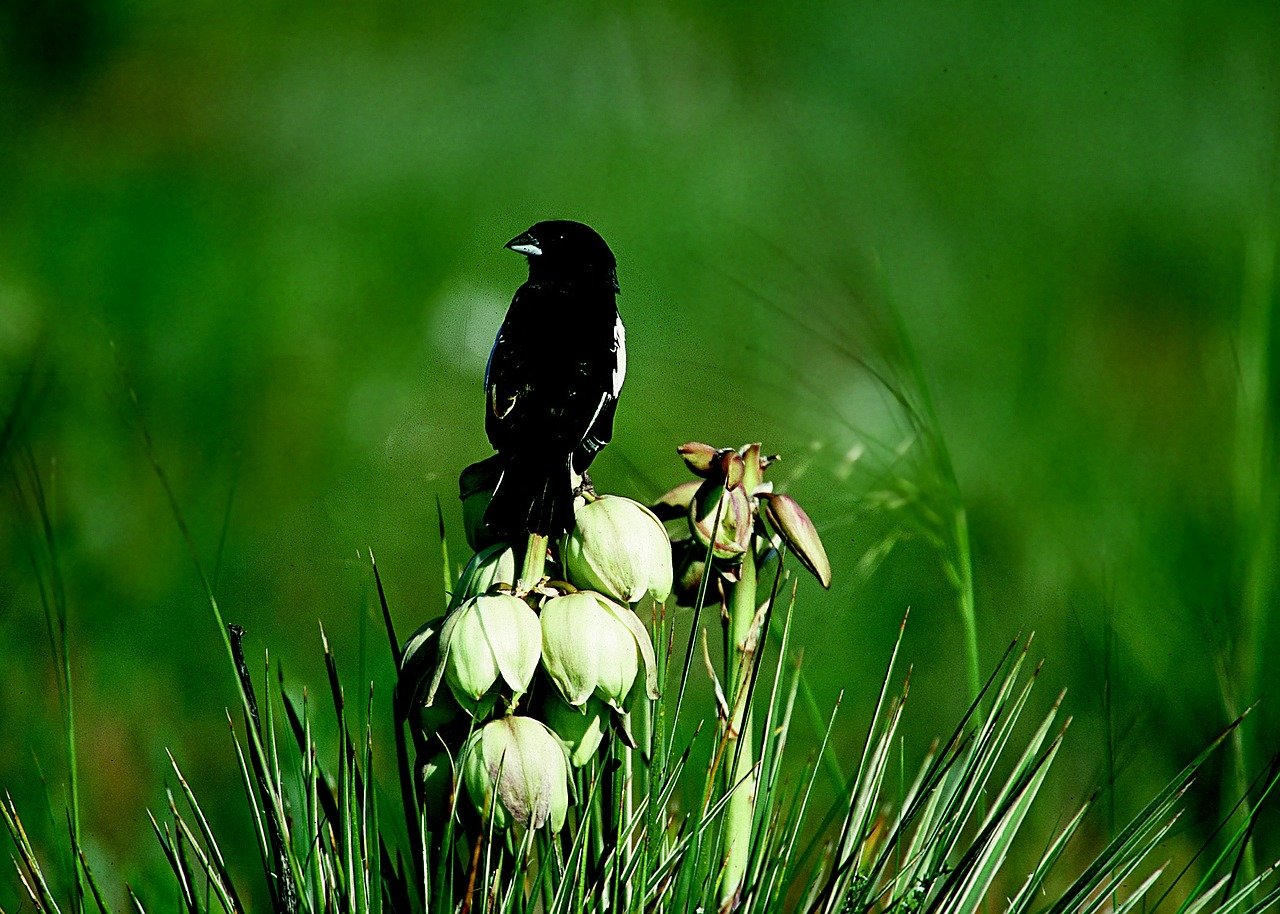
[{"x": 525, "y": 244}]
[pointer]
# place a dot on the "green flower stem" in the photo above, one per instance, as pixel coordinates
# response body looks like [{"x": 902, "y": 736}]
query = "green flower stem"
[
  {"x": 535, "y": 563},
  {"x": 968, "y": 614},
  {"x": 628, "y": 806},
  {"x": 741, "y": 748},
  {"x": 597, "y": 817}
]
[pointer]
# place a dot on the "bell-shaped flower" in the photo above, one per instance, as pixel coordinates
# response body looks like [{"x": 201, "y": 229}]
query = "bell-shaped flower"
[
  {"x": 487, "y": 639},
  {"x": 516, "y": 770},
  {"x": 593, "y": 646},
  {"x": 487, "y": 568},
  {"x": 620, "y": 548},
  {"x": 787, "y": 517},
  {"x": 581, "y": 729}
]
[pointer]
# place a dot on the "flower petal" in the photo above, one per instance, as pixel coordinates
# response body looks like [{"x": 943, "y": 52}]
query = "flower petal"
[
  {"x": 570, "y": 652},
  {"x": 515, "y": 637},
  {"x": 643, "y": 642}
]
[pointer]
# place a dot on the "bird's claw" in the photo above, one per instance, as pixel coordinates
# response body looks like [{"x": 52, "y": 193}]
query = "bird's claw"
[
  {"x": 542, "y": 588},
  {"x": 586, "y": 489}
]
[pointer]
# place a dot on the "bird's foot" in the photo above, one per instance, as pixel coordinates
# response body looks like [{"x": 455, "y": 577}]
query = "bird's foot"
[
  {"x": 585, "y": 489},
  {"x": 545, "y": 587}
]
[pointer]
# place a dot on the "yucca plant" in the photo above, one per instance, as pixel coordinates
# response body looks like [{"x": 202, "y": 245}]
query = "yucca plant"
[{"x": 643, "y": 823}]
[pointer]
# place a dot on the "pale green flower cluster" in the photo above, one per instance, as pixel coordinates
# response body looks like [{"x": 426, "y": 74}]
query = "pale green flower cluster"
[{"x": 522, "y": 680}]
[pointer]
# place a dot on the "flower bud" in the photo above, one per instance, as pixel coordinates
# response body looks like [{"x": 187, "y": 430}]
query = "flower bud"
[
  {"x": 619, "y": 547},
  {"x": 675, "y": 503},
  {"x": 487, "y": 638},
  {"x": 733, "y": 507},
  {"x": 592, "y": 646},
  {"x": 419, "y": 661},
  {"x": 690, "y": 568},
  {"x": 701, "y": 459},
  {"x": 517, "y": 770},
  {"x": 787, "y": 517},
  {"x": 495, "y": 565},
  {"x": 581, "y": 729},
  {"x": 732, "y": 469},
  {"x": 753, "y": 466}
]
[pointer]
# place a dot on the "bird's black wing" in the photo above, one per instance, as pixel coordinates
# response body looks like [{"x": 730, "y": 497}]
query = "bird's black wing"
[
  {"x": 505, "y": 388},
  {"x": 551, "y": 390},
  {"x": 549, "y": 381}
]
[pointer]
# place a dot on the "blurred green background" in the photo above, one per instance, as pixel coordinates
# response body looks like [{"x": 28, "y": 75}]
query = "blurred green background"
[{"x": 281, "y": 226}]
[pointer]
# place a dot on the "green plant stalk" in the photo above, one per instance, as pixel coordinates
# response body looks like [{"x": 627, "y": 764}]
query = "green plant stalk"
[
  {"x": 625, "y": 826},
  {"x": 597, "y": 819},
  {"x": 62, "y": 650},
  {"x": 545, "y": 877},
  {"x": 73, "y": 778},
  {"x": 446, "y": 569},
  {"x": 968, "y": 612},
  {"x": 535, "y": 563},
  {"x": 654, "y": 743},
  {"x": 740, "y": 747}
]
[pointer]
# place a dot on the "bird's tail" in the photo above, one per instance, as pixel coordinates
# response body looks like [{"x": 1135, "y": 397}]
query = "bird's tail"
[{"x": 531, "y": 497}]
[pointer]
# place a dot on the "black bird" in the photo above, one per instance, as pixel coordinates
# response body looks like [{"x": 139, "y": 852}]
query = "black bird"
[{"x": 552, "y": 383}]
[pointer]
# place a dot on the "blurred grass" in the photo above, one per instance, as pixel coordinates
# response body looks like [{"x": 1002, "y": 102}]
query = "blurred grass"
[{"x": 281, "y": 226}]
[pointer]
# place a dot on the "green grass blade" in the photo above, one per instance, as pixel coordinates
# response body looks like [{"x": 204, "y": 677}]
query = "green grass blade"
[
  {"x": 1136, "y": 838},
  {"x": 29, "y": 869},
  {"x": 1139, "y": 894},
  {"x": 1034, "y": 883},
  {"x": 997, "y": 836}
]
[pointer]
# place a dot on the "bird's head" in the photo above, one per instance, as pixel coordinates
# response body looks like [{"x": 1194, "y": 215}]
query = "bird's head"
[{"x": 563, "y": 250}]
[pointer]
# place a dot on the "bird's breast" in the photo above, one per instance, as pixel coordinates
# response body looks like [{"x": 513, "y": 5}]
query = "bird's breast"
[{"x": 564, "y": 319}]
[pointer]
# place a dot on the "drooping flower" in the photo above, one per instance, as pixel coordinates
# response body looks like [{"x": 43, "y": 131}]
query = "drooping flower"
[
  {"x": 620, "y": 548},
  {"x": 593, "y": 646},
  {"x": 517, "y": 770},
  {"x": 489, "y": 638}
]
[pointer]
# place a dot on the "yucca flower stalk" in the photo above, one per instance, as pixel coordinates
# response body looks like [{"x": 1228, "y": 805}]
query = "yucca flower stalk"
[{"x": 726, "y": 513}]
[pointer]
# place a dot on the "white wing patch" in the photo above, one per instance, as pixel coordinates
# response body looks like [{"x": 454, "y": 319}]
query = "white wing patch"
[
  {"x": 620, "y": 356},
  {"x": 604, "y": 398}
]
